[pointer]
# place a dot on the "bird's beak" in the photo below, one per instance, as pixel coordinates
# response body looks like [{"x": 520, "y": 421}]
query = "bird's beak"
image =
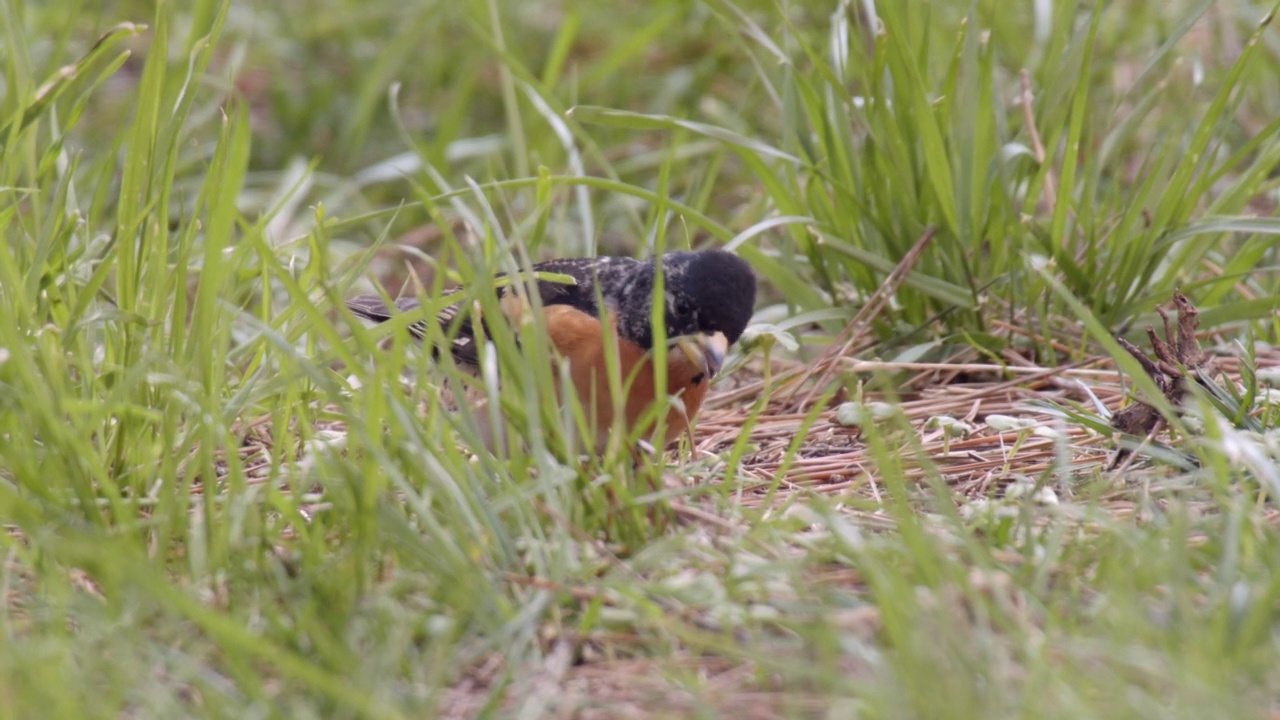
[{"x": 705, "y": 350}]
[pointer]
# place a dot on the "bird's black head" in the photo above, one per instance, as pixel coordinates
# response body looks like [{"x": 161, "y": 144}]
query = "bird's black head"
[
  {"x": 708, "y": 292},
  {"x": 705, "y": 292}
]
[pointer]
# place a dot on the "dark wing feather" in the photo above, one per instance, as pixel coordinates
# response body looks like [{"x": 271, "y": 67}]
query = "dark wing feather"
[
  {"x": 371, "y": 307},
  {"x": 581, "y": 294},
  {"x": 611, "y": 276}
]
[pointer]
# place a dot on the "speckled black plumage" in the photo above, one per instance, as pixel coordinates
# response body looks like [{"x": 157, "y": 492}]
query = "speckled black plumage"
[{"x": 705, "y": 292}]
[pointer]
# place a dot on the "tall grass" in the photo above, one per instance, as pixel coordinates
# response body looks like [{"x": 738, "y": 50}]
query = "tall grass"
[{"x": 223, "y": 498}]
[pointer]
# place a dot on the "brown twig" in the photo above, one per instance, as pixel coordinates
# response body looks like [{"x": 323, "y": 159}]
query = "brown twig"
[
  {"x": 857, "y": 327},
  {"x": 1037, "y": 147}
]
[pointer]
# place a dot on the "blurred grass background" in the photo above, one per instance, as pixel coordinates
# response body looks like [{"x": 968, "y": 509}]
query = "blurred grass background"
[{"x": 216, "y": 504}]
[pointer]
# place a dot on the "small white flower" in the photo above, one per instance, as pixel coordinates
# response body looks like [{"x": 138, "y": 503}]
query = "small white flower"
[{"x": 1004, "y": 423}]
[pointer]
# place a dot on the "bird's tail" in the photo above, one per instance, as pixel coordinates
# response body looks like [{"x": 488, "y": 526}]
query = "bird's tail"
[{"x": 372, "y": 307}]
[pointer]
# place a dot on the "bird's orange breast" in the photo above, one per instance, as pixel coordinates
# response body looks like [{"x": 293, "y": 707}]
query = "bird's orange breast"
[{"x": 581, "y": 338}]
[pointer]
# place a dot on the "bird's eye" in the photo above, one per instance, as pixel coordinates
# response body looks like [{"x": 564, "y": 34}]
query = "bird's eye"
[{"x": 682, "y": 308}]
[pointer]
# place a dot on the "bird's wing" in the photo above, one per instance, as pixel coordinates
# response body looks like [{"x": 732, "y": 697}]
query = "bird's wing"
[
  {"x": 373, "y": 308},
  {"x": 579, "y": 293}
]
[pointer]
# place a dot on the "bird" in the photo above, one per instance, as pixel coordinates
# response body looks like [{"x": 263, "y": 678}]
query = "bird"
[{"x": 708, "y": 300}]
